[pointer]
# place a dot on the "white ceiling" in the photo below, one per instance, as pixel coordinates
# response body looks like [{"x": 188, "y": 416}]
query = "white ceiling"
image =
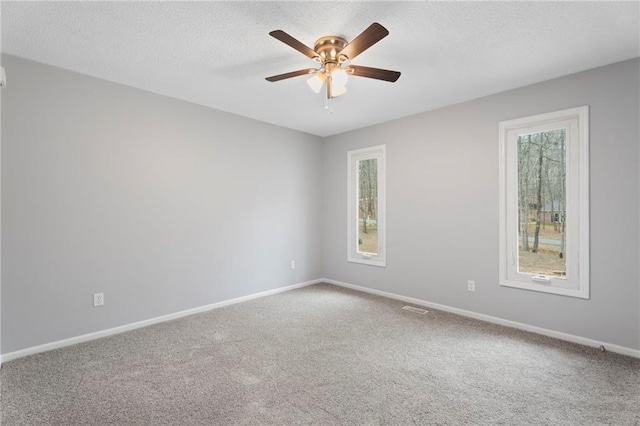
[{"x": 218, "y": 53}]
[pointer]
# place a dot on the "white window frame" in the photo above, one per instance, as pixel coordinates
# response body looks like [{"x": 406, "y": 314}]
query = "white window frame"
[
  {"x": 379, "y": 153},
  {"x": 575, "y": 121}
]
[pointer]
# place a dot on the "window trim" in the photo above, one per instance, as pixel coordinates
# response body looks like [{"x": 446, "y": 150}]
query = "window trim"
[
  {"x": 577, "y": 177},
  {"x": 378, "y": 152}
]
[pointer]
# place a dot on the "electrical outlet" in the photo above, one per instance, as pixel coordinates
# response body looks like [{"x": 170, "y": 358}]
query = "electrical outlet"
[
  {"x": 293, "y": 264},
  {"x": 98, "y": 299},
  {"x": 471, "y": 285}
]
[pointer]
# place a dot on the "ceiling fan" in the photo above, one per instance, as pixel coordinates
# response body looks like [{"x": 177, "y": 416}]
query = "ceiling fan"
[{"x": 334, "y": 54}]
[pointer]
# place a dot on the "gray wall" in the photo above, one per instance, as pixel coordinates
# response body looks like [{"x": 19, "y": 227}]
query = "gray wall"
[
  {"x": 160, "y": 204},
  {"x": 442, "y": 206},
  {"x": 1, "y": 90},
  {"x": 165, "y": 206}
]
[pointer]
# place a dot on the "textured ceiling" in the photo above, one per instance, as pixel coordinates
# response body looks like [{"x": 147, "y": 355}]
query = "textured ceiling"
[{"x": 218, "y": 53}]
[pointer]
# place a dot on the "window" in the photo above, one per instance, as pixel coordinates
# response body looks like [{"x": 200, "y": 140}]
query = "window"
[
  {"x": 544, "y": 203},
  {"x": 366, "y": 223}
]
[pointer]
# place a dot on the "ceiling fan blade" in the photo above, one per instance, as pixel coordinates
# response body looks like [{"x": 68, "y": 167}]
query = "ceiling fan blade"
[
  {"x": 373, "y": 34},
  {"x": 291, "y": 74},
  {"x": 299, "y": 46},
  {"x": 377, "y": 73}
]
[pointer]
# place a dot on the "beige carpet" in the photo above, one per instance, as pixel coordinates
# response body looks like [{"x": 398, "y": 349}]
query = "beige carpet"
[{"x": 322, "y": 355}]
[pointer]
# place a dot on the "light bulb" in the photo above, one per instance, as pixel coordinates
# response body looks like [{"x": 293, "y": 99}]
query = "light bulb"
[{"x": 316, "y": 82}]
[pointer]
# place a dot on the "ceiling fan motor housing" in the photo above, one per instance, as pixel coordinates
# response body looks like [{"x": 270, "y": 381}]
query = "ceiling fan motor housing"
[{"x": 329, "y": 49}]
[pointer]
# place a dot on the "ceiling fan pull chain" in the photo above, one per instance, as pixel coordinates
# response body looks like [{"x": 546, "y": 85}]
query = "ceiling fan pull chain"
[
  {"x": 326, "y": 102},
  {"x": 328, "y": 106}
]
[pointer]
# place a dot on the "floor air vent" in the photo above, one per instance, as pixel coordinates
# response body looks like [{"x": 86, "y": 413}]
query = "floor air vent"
[{"x": 414, "y": 309}]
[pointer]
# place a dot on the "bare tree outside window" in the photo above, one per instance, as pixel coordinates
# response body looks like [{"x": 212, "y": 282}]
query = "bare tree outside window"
[
  {"x": 368, "y": 206},
  {"x": 542, "y": 203}
]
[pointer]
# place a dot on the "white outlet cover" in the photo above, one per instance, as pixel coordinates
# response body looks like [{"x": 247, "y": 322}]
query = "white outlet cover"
[{"x": 98, "y": 299}]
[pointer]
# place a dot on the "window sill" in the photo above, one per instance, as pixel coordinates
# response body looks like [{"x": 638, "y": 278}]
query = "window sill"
[
  {"x": 546, "y": 288},
  {"x": 372, "y": 262}
]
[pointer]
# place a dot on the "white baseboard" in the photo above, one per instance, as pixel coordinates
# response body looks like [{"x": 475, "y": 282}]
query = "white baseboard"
[
  {"x": 121, "y": 329},
  {"x": 127, "y": 327},
  {"x": 513, "y": 324}
]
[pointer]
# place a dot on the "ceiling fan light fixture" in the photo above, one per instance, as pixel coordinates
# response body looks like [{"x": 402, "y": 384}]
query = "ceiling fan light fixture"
[
  {"x": 316, "y": 82},
  {"x": 339, "y": 79}
]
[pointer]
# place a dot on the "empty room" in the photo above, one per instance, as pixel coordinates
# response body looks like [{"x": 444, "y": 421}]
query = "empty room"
[{"x": 327, "y": 213}]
